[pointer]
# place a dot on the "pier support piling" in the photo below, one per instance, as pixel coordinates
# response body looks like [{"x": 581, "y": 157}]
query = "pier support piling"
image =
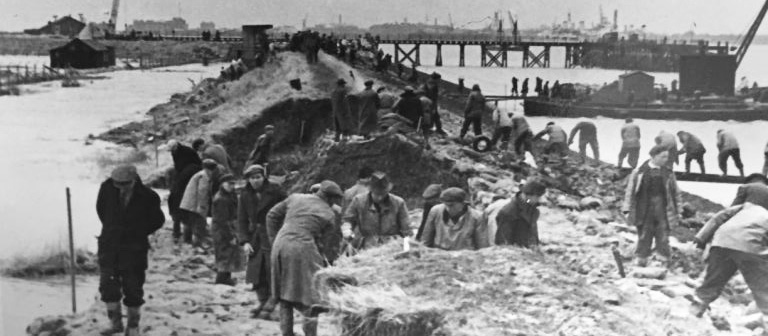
[{"x": 439, "y": 55}]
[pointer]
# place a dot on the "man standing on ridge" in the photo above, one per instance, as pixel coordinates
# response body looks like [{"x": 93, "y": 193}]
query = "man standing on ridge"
[
  {"x": 693, "y": 149},
  {"x": 728, "y": 147},
  {"x": 587, "y": 136},
  {"x": 630, "y": 143}
]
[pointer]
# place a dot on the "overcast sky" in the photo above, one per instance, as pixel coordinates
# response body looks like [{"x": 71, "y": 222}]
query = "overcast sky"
[{"x": 669, "y": 16}]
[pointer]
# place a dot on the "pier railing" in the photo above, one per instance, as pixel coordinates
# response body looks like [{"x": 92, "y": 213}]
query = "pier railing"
[{"x": 25, "y": 74}]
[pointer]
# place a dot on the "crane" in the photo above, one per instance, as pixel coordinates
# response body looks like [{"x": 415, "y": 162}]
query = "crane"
[
  {"x": 450, "y": 20},
  {"x": 112, "y": 23},
  {"x": 513, "y": 23},
  {"x": 750, "y": 35}
]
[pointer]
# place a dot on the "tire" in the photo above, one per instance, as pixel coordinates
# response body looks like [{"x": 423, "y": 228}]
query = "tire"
[{"x": 481, "y": 144}]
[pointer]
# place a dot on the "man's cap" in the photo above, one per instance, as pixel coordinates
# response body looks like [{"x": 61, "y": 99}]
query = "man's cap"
[
  {"x": 656, "y": 150},
  {"x": 210, "y": 164},
  {"x": 380, "y": 182},
  {"x": 341, "y": 81},
  {"x": 368, "y": 83},
  {"x": 756, "y": 177},
  {"x": 364, "y": 172},
  {"x": 227, "y": 178},
  {"x": 475, "y": 87},
  {"x": 408, "y": 88},
  {"x": 253, "y": 170},
  {"x": 197, "y": 143},
  {"x": 453, "y": 195},
  {"x": 331, "y": 189},
  {"x": 435, "y": 75},
  {"x": 124, "y": 173},
  {"x": 269, "y": 128},
  {"x": 314, "y": 188},
  {"x": 534, "y": 188},
  {"x": 432, "y": 191}
]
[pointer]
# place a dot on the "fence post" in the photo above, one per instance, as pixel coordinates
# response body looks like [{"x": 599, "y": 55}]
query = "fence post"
[{"x": 72, "y": 268}]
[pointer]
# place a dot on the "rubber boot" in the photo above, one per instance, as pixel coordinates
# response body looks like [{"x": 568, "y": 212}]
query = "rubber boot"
[
  {"x": 310, "y": 326},
  {"x": 286, "y": 319},
  {"x": 268, "y": 308},
  {"x": 263, "y": 297},
  {"x": 115, "y": 315},
  {"x": 134, "y": 315}
]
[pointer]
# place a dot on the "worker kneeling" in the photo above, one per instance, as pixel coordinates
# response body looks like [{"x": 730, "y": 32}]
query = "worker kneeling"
[{"x": 454, "y": 225}]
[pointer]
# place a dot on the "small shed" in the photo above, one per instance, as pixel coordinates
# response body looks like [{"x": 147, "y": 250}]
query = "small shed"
[
  {"x": 67, "y": 26},
  {"x": 82, "y": 54},
  {"x": 639, "y": 82},
  {"x": 255, "y": 44}
]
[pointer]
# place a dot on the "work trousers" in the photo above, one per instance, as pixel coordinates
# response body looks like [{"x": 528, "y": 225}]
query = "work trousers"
[
  {"x": 722, "y": 265},
  {"x": 634, "y": 154},
  {"x": 557, "y": 148},
  {"x": 501, "y": 133},
  {"x": 524, "y": 143},
  {"x": 722, "y": 159},
  {"x": 286, "y": 318},
  {"x": 476, "y": 126},
  {"x": 653, "y": 227},
  {"x": 592, "y": 144},
  {"x": 195, "y": 225},
  {"x": 699, "y": 157},
  {"x": 127, "y": 285},
  {"x": 436, "y": 120}
]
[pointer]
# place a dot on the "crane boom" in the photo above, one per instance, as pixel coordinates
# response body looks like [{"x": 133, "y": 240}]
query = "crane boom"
[
  {"x": 750, "y": 35},
  {"x": 113, "y": 15}
]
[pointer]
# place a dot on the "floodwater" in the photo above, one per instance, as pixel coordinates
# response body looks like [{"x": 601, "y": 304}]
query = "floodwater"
[{"x": 497, "y": 81}]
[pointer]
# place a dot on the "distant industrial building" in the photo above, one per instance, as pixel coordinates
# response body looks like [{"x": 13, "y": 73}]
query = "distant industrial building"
[
  {"x": 82, "y": 54},
  {"x": 161, "y": 27},
  {"x": 67, "y": 26},
  {"x": 207, "y": 25}
]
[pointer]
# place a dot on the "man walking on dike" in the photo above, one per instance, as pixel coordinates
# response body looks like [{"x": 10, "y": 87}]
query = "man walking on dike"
[
  {"x": 587, "y": 136},
  {"x": 502, "y": 121},
  {"x": 517, "y": 221},
  {"x": 630, "y": 143},
  {"x": 376, "y": 217},
  {"x": 693, "y": 149},
  {"x": 256, "y": 199},
  {"x": 652, "y": 204},
  {"x": 557, "y": 140},
  {"x": 213, "y": 151},
  {"x": 669, "y": 142},
  {"x": 728, "y": 147},
  {"x": 454, "y": 225},
  {"x": 432, "y": 90},
  {"x": 514, "y": 86},
  {"x": 197, "y": 202},
  {"x": 361, "y": 187},
  {"x": 227, "y": 253},
  {"x": 186, "y": 163},
  {"x": 737, "y": 243},
  {"x": 129, "y": 212},
  {"x": 524, "y": 90},
  {"x": 262, "y": 149},
  {"x": 295, "y": 225},
  {"x": 523, "y": 135},
  {"x": 341, "y": 114},
  {"x": 370, "y": 103},
  {"x": 754, "y": 190},
  {"x": 473, "y": 112}
]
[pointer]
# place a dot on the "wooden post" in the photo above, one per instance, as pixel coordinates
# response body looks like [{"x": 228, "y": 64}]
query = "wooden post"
[
  {"x": 439, "y": 55},
  {"x": 619, "y": 263},
  {"x": 461, "y": 55},
  {"x": 397, "y": 53},
  {"x": 418, "y": 55},
  {"x": 72, "y": 257},
  {"x": 482, "y": 55}
]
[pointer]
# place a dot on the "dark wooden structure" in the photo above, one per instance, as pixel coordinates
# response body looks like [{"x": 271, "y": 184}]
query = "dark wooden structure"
[
  {"x": 67, "y": 26},
  {"x": 82, "y": 54},
  {"x": 639, "y": 83},
  {"x": 255, "y": 44},
  {"x": 708, "y": 74}
]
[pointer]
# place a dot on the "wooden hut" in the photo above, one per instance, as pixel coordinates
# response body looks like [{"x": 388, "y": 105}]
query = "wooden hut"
[{"x": 82, "y": 54}]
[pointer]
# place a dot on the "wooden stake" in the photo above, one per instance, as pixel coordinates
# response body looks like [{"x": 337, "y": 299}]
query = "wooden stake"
[
  {"x": 619, "y": 263},
  {"x": 71, "y": 252}
]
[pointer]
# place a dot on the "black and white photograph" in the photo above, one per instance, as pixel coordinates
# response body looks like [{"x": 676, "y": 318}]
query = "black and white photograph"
[{"x": 384, "y": 168}]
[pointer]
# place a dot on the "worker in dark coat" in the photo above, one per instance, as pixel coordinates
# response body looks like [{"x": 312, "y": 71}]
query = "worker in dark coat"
[
  {"x": 342, "y": 119},
  {"x": 228, "y": 254},
  {"x": 473, "y": 112},
  {"x": 514, "y": 86},
  {"x": 369, "y": 104},
  {"x": 129, "y": 212},
  {"x": 256, "y": 199},
  {"x": 587, "y": 136},
  {"x": 262, "y": 149},
  {"x": 524, "y": 90},
  {"x": 409, "y": 106},
  {"x": 754, "y": 190},
  {"x": 432, "y": 90},
  {"x": 693, "y": 149},
  {"x": 186, "y": 163},
  {"x": 296, "y": 225},
  {"x": 652, "y": 203},
  {"x": 214, "y": 152},
  {"x": 517, "y": 221}
]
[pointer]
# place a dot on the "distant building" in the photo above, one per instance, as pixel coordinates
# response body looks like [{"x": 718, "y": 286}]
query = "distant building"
[
  {"x": 708, "y": 74},
  {"x": 209, "y": 26},
  {"x": 639, "y": 82},
  {"x": 67, "y": 26},
  {"x": 159, "y": 27},
  {"x": 82, "y": 54}
]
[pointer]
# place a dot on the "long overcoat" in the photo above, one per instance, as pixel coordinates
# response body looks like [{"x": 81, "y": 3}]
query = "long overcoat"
[
  {"x": 340, "y": 107},
  {"x": 369, "y": 108},
  {"x": 251, "y": 228},
  {"x": 228, "y": 255}
]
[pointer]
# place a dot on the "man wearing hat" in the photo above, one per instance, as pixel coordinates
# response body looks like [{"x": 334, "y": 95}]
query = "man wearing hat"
[
  {"x": 369, "y": 103},
  {"x": 361, "y": 187},
  {"x": 754, "y": 190},
  {"x": 129, "y": 212},
  {"x": 432, "y": 90},
  {"x": 652, "y": 203},
  {"x": 258, "y": 196},
  {"x": 229, "y": 256},
  {"x": 186, "y": 163},
  {"x": 517, "y": 222},
  {"x": 197, "y": 201},
  {"x": 262, "y": 149},
  {"x": 377, "y": 216},
  {"x": 473, "y": 112},
  {"x": 453, "y": 225},
  {"x": 431, "y": 197},
  {"x": 409, "y": 106},
  {"x": 341, "y": 115},
  {"x": 295, "y": 225}
]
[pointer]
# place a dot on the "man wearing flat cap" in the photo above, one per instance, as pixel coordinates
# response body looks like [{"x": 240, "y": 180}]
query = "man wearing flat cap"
[
  {"x": 517, "y": 222},
  {"x": 652, "y": 203},
  {"x": 296, "y": 226},
  {"x": 262, "y": 149},
  {"x": 129, "y": 212},
  {"x": 342, "y": 118},
  {"x": 369, "y": 104},
  {"x": 377, "y": 216},
  {"x": 256, "y": 199},
  {"x": 754, "y": 190},
  {"x": 453, "y": 225}
]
